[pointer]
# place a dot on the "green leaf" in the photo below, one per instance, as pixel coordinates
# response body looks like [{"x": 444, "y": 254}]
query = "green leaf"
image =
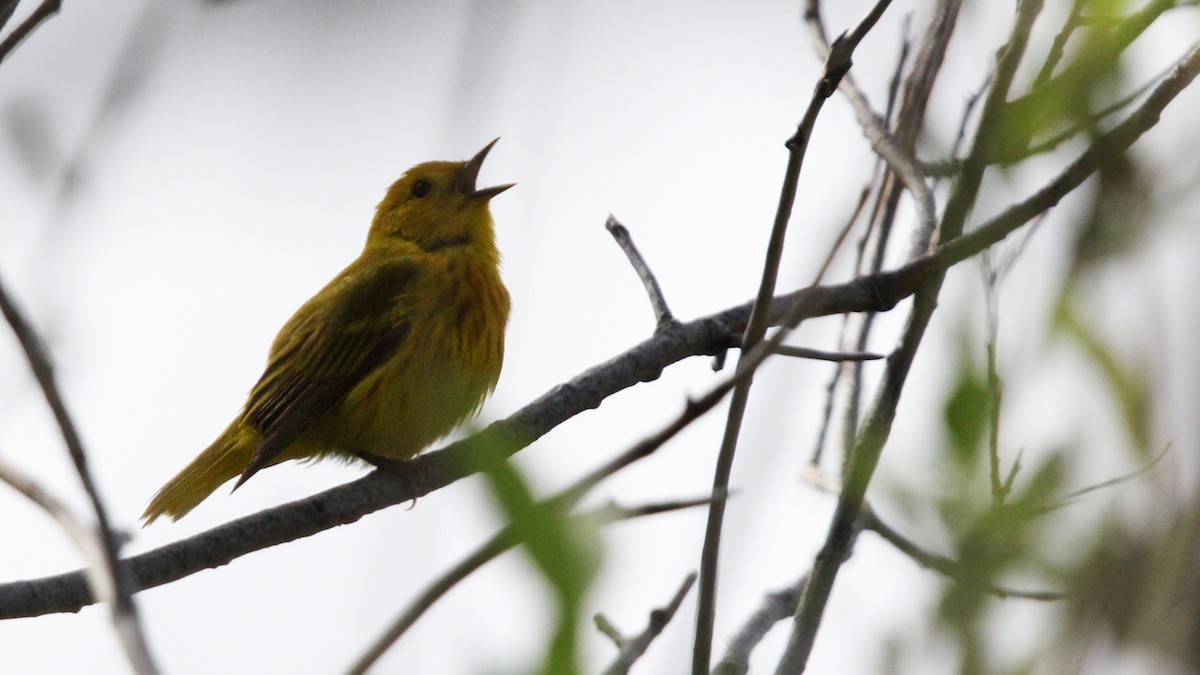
[
  {"x": 1128, "y": 384},
  {"x": 562, "y": 551},
  {"x": 966, "y": 414}
]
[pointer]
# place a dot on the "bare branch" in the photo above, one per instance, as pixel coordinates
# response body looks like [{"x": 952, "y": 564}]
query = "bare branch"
[
  {"x": 7, "y": 8},
  {"x": 115, "y": 587},
  {"x": 662, "y": 313},
  {"x": 607, "y": 629},
  {"x": 1071, "y": 497},
  {"x": 632, "y": 649},
  {"x": 898, "y": 157},
  {"x": 818, "y": 354},
  {"x": 44, "y": 11},
  {"x": 1059, "y": 46},
  {"x": 775, "y": 607},
  {"x": 80, "y": 534},
  {"x": 845, "y": 387}
]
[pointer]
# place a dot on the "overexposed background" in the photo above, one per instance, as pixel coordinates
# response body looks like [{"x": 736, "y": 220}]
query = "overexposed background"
[{"x": 177, "y": 177}]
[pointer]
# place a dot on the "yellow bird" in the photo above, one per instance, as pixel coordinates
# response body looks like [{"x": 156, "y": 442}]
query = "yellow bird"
[{"x": 391, "y": 355}]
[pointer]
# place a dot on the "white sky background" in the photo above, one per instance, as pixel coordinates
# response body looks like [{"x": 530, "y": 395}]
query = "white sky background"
[{"x": 238, "y": 171}]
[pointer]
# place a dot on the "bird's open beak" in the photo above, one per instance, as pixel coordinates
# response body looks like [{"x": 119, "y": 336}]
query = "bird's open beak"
[{"x": 464, "y": 182}]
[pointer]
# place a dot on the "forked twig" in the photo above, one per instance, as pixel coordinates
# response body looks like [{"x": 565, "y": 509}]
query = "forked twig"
[
  {"x": 775, "y": 607},
  {"x": 632, "y": 649}
]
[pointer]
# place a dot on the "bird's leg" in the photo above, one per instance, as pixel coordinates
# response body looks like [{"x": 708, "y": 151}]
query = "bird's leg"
[{"x": 407, "y": 471}]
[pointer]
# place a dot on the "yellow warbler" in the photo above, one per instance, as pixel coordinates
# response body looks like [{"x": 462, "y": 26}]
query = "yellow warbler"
[{"x": 400, "y": 347}]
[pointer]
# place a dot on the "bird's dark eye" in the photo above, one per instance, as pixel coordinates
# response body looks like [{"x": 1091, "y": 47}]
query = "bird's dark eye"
[{"x": 421, "y": 189}]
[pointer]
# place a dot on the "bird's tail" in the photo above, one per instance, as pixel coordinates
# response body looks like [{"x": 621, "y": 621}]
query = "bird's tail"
[{"x": 226, "y": 458}]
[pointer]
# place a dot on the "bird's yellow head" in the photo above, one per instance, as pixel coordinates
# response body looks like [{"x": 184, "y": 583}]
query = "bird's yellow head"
[{"x": 436, "y": 204}]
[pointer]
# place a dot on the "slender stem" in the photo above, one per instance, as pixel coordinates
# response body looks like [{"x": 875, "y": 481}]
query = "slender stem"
[
  {"x": 662, "y": 313},
  {"x": 775, "y": 607},
  {"x": 78, "y": 531},
  {"x": 44, "y": 11},
  {"x": 946, "y": 566},
  {"x": 116, "y": 587},
  {"x": 633, "y": 648}
]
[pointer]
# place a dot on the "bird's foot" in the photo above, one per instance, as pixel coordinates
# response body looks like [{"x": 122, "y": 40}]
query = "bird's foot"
[{"x": 407, "y": 471}]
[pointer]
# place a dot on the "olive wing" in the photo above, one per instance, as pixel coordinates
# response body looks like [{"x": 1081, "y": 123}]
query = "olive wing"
[{"x": 330, "y": 349}]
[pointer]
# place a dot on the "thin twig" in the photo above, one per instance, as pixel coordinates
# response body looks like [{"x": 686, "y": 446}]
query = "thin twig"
[
  {"x": 1059, "y": 46},
  {"x": 633, "y": 648},
  {"x": 893, "y": 91},
  {"x": 1070, "y": 497},
  {"x": 500, "y": 542},
  {"x": 7, "y": 8},
  {"x": 44, "y": 11},
  {"x": 662, "y": 313},
  {"x": 116, "y": 587},
  {"x": 608, "y": 630},
  {"x": 79, "y": 533},
  {"x": 1013, "y": 471},
  {"x": 1117, "y": 41},
  {"x": 775, "y": 607},
  {"x": 818, "y": 354},
  {"x": 859, "y": 252},
  {"x": 991, "y": 290},
  {"x": 846, "y": 386},
  {"x": 943, "y": 565},
  {"x": 898, "y": 157}
]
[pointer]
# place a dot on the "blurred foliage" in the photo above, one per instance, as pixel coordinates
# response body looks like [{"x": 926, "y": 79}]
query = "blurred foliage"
[
  {"x": 1138, "y": 587},
  {"x": 1070, "y": 95},
  {"x": 1128, "y": 384},
  {"x": 1133, "y": 583},
  {"x": 965, "y": 413},
  {"x": 563, "y": 551}
]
